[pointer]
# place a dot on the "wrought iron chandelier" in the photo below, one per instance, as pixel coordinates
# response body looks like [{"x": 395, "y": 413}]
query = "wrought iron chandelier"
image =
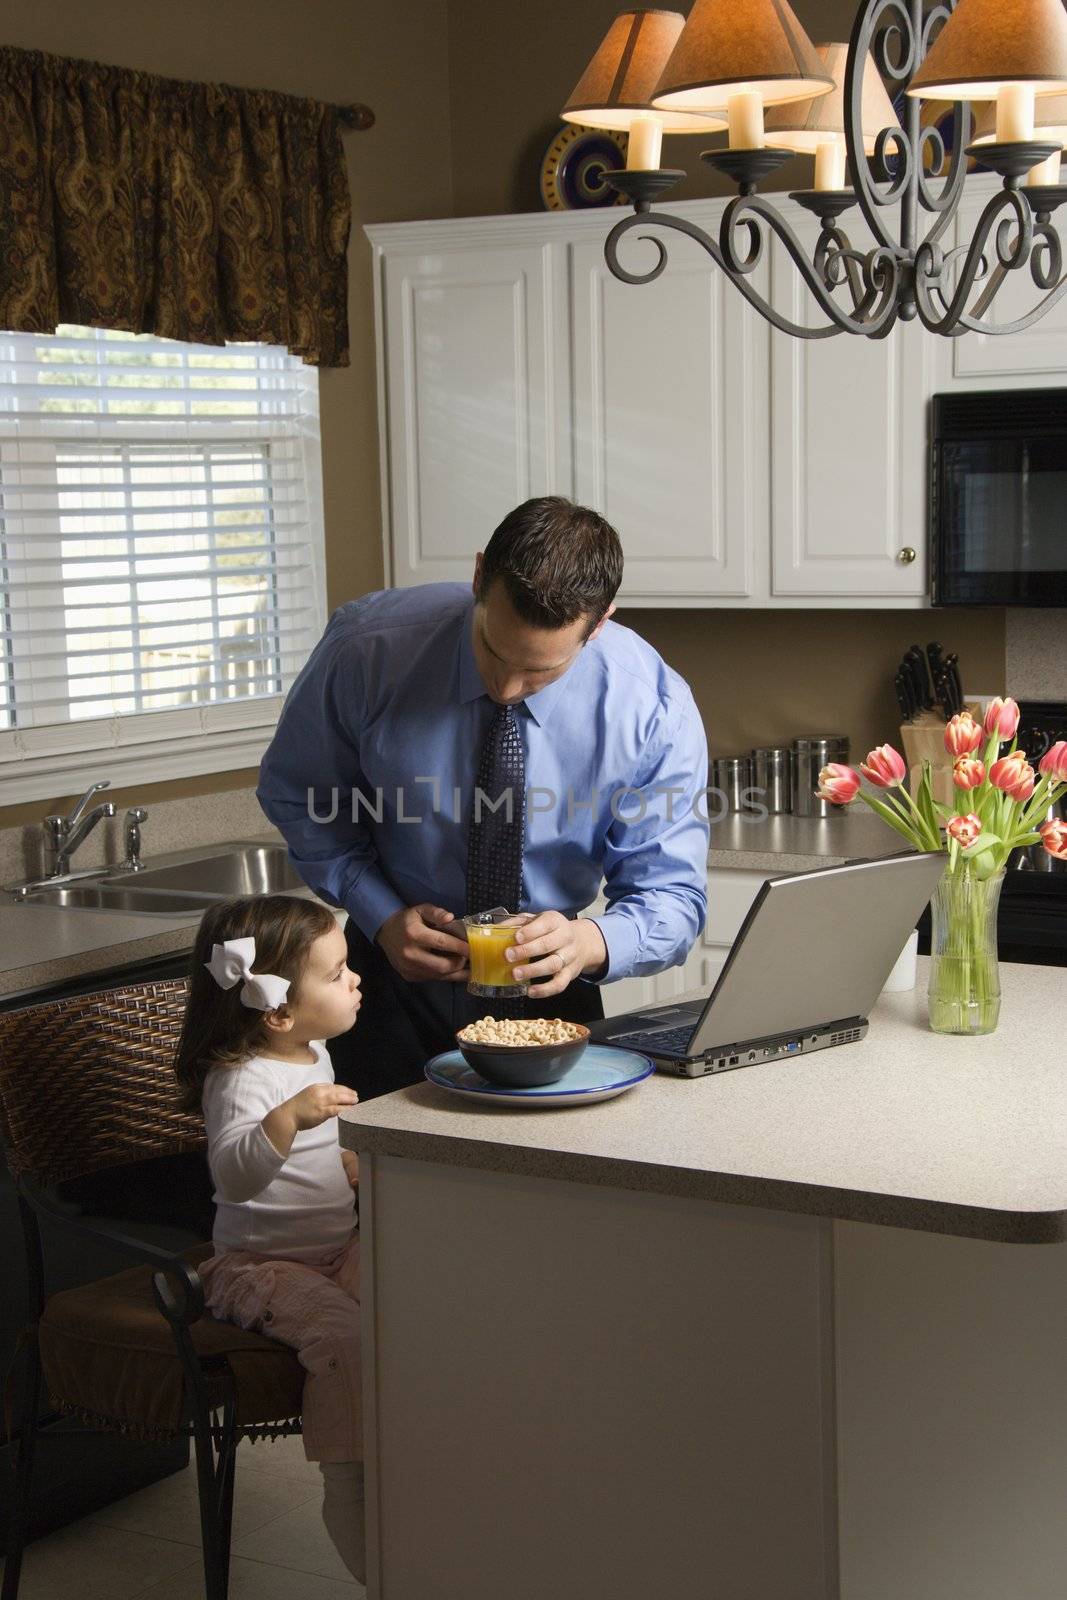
[{"x": 732, "y": 60}]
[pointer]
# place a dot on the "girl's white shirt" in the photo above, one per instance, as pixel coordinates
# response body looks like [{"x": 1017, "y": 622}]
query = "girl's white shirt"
[{"x": 298, "y": 1207}]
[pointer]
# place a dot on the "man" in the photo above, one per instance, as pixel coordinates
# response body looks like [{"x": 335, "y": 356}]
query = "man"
[{"x": 444, "y": 752}]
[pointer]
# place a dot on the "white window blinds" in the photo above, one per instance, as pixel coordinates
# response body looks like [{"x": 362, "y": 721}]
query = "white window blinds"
[{"x": 160, "y": 533}]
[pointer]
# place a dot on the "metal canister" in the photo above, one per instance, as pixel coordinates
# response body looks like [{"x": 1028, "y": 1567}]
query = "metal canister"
[
  {"x": 810, "y": 755},
  {"x": 731, "y": 776},
  {"x": 772, "y": 777}
]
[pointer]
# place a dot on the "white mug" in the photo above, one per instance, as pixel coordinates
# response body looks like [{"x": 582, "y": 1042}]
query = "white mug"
[{"x": 905, "y": 972}]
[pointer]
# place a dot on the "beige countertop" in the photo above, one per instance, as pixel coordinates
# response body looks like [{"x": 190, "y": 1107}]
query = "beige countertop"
[
  {"x": 45, "y": 945},
  {"x": 795, "y": 844},
  {"x": 908, "y": 1128}
]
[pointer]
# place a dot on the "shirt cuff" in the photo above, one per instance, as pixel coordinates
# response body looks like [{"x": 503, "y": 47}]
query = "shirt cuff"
[
  {"x": 371, "y": 902},
  {"x": 621, "y": 938}
]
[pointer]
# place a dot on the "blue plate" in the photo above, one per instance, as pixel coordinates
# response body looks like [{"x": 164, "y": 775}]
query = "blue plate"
[{"x": 600, "y": 1074}]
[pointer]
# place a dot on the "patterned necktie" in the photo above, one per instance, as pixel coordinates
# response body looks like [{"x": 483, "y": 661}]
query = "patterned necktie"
[{"x": 495, "y": 837}]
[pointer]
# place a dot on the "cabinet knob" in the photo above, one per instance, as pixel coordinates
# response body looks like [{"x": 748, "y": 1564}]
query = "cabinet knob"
[{"x": 906, "y": 556}]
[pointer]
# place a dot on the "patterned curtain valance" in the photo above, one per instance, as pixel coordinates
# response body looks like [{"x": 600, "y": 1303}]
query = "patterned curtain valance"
[{"x": 193, "y": 211}]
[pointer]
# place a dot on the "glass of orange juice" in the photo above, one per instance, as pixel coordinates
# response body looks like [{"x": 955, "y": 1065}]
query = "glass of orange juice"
[{"x": 489, "y": 934}]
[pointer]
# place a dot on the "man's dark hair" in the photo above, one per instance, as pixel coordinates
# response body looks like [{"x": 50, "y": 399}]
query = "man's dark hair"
[{"x": 557, "y": 561}]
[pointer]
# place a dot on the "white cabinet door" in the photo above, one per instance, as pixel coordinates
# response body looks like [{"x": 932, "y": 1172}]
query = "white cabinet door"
[
  {"x": 1040, "y": 350},
  {"x": 731, "y": 892},
  {"x": 670, "y": 439},
  {"x": 634, "y": 994},
  {"x": 474, "y": 377},
  {"x": 849, "y": 449},
  {"x": 628, "y": 994}
]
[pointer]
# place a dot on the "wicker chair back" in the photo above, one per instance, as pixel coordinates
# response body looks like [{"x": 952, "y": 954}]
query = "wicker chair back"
[{"x": 88, "y": 1083}]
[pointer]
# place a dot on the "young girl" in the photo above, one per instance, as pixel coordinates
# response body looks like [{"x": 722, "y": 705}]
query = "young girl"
[{"x": 269, "y": 985}]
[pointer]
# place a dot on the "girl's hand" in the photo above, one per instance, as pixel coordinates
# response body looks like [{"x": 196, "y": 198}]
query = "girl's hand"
[
  {"x": 317, "y": 1103},
  {"x": 350, "y": 1162},
  {"x": 308, "y": 1109}
]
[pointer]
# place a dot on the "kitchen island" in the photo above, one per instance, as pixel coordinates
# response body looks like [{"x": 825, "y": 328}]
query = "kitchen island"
[{"x": 793, "y": 1332}]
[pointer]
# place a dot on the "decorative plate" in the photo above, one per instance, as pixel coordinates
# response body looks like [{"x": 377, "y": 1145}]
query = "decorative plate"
[
  {"x": 600, "y": 1074},
  {"x": 572, "y": 172}
]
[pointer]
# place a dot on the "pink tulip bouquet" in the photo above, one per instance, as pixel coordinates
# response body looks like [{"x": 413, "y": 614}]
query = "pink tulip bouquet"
[
  {"x": 1000, "y": 798},
  {"x": 1000, "y": 801}
]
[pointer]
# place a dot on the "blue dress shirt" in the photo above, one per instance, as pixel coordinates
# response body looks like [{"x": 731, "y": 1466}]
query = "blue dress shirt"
[{"x": 370, "y": 776}]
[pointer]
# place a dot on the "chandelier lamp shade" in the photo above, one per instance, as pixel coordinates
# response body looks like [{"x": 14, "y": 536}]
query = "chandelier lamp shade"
[
  {"x": 817, "y": 127},
  {"x": 748, "y": 66},
  {"x": 739, "y": 56},
  {"x": 615, "y": 90}
]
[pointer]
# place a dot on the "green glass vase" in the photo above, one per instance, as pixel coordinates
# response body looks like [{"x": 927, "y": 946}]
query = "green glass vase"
[{"x": 964, "y": 991}]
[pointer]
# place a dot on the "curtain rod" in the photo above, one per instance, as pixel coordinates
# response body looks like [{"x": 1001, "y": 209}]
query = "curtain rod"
[{"x": 356, "y": 116}]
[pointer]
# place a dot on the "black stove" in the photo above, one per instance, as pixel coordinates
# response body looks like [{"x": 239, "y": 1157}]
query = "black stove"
[{"x": 1032, "y": 917}]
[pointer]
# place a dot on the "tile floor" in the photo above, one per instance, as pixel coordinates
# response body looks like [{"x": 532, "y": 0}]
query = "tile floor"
[{"x": 149, "y": 1543}]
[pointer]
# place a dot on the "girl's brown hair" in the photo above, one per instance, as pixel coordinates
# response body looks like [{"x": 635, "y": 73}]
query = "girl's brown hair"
[{"x": 217, "y": 1030}]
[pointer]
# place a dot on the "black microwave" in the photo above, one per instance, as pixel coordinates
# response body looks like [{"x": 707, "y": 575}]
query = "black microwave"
[{"x": 998, "y": 498}]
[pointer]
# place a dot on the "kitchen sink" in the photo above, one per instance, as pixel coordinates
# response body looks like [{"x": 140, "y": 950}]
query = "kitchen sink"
[
  {"x": 243, "y": 869},
  {"x": 119, "y": 897},
  {"x": 180, "y": 884}
]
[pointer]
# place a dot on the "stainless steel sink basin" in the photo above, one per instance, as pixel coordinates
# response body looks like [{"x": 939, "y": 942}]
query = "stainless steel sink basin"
[
  {"x": 181, "y": 884},
  {"x": 242, "y": 869},
  {"x": 118, "y": 897}
]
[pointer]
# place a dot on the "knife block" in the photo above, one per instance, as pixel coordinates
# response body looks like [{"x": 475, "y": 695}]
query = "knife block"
[{"x": 924, "y": 740}]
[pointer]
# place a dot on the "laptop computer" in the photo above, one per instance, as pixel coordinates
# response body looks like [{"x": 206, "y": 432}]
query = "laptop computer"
[{"x": 802, "y": 974}]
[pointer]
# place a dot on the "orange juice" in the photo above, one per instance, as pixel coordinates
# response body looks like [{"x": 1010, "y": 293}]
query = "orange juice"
[{"x": 489, "y": 966}]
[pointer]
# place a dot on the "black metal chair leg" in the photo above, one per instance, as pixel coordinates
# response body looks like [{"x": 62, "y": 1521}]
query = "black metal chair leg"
[
  {"x": 216, "y": 1549},
  {"x": 27, "y": 1437},
  {"x": 224, "y": 1478}
]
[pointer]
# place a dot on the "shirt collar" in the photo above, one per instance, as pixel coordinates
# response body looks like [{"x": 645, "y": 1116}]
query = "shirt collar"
[
  {"x": 539, "y": 706},
  {"x": 470, "y": 679}
]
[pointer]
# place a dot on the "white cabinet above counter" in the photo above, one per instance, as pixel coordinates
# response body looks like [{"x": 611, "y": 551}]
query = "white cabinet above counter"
[
  {"x": 741, "y": 467},
  {"x": 473, "y": 397},
  {"x": 670, "y": 424}
]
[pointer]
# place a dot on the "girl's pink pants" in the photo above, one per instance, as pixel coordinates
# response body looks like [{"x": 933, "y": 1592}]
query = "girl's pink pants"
[{"x": 314, "y": 1307}]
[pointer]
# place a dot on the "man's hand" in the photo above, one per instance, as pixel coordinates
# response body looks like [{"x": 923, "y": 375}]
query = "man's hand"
[
  {"x": 350, "y": 1162},
  {"x": 418, "y": 946},
  {"x": 557, "y": 948}
]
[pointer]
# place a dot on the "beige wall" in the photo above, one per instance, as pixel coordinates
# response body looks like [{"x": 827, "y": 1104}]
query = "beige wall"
[
  {"x": 465, "y": 93},
  {"x": 762, "y": 677}
]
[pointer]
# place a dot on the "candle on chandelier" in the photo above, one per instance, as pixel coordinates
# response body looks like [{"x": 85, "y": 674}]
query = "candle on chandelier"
[
  {"x": 1015, "y": 113},
  {"x": 830, "y": 165},
  {"x": 1046, "y": 172},
  {"x": 745, "y": 111},
  {"x": 644, "y": 143}
]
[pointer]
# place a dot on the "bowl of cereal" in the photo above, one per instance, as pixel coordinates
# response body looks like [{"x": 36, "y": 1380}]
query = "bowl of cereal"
[{"x": 522, "y": 1053}]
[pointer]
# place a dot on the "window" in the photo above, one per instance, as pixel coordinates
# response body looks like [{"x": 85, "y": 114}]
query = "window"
[{"x": 160, "y": 554}]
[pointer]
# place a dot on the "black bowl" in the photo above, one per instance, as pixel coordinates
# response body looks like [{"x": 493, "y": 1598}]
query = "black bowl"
[{"x": 523, "y": 1066}]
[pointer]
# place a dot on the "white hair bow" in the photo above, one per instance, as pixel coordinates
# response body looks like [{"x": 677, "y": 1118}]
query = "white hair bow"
[{"x": 232, "y": 960}]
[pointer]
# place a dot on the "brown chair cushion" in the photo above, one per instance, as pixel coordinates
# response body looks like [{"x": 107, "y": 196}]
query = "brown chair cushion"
[{"x": 109, "y": 1356}]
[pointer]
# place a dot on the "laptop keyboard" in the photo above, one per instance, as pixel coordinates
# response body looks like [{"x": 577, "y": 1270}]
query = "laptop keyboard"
[{"x": 664, "y": 1042}]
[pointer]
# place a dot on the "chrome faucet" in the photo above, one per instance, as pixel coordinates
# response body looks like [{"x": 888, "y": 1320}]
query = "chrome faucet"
[
  {"x": 134, "y": 817},
  {"x": 63, "y": 835}
]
